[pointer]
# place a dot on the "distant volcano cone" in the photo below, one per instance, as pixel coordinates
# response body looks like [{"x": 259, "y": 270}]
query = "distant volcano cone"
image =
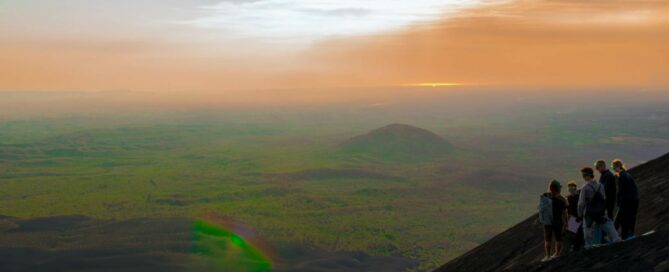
[{"x": 399, "y": 142}]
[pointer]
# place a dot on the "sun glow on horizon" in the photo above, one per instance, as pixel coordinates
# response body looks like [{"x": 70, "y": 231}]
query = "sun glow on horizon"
[{"x": 437, "y": 84}]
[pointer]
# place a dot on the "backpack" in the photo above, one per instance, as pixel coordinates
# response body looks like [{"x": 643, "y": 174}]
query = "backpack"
[
  {"x": 596, "y": 207},
  {"x": 546, "y": 210}
]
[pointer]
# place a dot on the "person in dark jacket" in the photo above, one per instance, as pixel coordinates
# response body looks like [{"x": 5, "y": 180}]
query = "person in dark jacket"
[
  {"x": 608, "y": 179},
  {"x": 628, "y": 200},
  {"x": 574, "y": 241}
]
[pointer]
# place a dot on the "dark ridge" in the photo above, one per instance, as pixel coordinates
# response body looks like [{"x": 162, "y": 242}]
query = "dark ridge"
[
  {"x": 56, "y": 223},
  {"x": 521, "y": 247},
  {"x": 78, "y": 243}
]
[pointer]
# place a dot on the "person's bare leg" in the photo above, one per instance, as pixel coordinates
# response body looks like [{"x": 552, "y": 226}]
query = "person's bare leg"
[
  {"x": 558, "y": 248},
  {"x": 547, "y": 248}
]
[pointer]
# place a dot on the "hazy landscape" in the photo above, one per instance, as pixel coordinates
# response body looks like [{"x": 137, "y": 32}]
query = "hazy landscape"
[
  {"x": 322, "y": 135},
  {"x": 421, "y": 180}
]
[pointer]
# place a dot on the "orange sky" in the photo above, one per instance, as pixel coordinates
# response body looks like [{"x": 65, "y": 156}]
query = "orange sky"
[{"x": 523, "y": 44}]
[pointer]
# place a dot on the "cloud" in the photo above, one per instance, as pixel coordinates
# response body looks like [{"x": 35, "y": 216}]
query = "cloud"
[
  {"x": 315, "y": 19},
  {"x": 543, "y": 44},
  {"x": 339, "y": 12},
  {"x": 540, "y": 44}
]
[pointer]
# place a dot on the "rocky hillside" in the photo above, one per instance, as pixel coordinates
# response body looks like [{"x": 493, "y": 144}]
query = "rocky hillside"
[{"x": 520, "y": 247}]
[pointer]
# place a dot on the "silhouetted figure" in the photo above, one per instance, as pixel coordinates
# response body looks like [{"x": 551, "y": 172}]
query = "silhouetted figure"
[
  {"x": 574, "y": 240},
  {"x": 608, "y": 180},
  {"x": 628, "y": 200},
  {"x": 553, "y": 215}
]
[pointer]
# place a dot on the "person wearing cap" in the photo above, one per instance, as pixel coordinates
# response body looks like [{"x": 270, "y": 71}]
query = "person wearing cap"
[
  {"x": 573, "y": 241},
  {"x": 556, "y": 229},
  {"x": 628, "y": 200},
  {"x": 592, "y": 222}
]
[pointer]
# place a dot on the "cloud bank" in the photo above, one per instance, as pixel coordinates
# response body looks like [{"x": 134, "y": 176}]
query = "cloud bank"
[{"x": 216, "y": 46}]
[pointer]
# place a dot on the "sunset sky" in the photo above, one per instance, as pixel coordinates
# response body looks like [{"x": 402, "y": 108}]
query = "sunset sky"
[{"x": 217, "y": 46}]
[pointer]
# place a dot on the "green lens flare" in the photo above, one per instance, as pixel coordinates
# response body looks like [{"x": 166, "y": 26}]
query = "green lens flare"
[{"x": 219, "y": 249}]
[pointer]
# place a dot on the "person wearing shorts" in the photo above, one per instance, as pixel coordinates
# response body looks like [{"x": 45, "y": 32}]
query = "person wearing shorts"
[{"x": 555, "y": 230}]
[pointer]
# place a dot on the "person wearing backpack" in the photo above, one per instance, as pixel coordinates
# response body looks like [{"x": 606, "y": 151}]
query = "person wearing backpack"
[
  {"x": 628, "y": 200},
  {"x": 553, "y": 216},
  {"x": 592, "y": 209}
]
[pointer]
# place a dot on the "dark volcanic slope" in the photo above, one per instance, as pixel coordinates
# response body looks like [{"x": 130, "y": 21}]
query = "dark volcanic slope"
[
  {"x": 399, "y": 142},
  {"x": 78, "y": 243},
  {"x": 520, "y": 247}
]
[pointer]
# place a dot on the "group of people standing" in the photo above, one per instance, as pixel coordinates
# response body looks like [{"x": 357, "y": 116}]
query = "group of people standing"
[{"x": 590, "y": 216}]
